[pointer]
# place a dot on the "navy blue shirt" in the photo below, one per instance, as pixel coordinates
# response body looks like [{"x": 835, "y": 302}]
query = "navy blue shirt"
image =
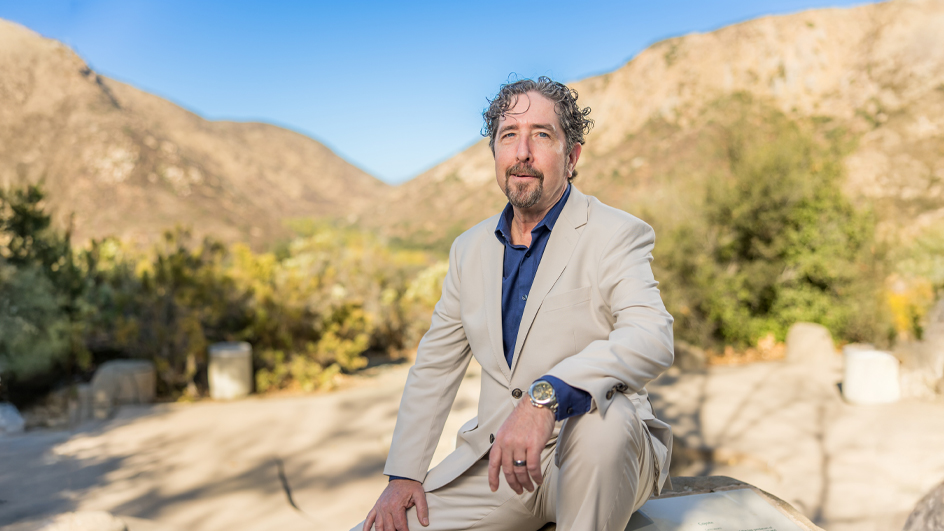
[{"x": 518, "y": 271}]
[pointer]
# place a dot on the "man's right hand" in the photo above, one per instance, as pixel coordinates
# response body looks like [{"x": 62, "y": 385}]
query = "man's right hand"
[{"x": 389, "y": 513}]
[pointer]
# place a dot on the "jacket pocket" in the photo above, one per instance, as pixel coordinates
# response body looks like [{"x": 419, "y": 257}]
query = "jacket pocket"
[{"x": 566, "y": 299}]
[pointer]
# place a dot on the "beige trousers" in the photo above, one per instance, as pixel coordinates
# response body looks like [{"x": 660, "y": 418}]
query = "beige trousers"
[{"x": 596, "y": 474}]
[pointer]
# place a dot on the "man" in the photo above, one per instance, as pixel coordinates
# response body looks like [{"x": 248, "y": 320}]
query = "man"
[{"x": 555, "y": 299}]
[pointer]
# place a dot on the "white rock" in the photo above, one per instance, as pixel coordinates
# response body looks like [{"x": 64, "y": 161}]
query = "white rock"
[{"x": 10, "y": 419}]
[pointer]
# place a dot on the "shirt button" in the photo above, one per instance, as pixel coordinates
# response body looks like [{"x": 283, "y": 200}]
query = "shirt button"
[
  {"x": 491, "y": 438},
  {"x": 524, "y": 297},
  {"x": 570, "y": 411},
  {"x": 516, "y": 393}
]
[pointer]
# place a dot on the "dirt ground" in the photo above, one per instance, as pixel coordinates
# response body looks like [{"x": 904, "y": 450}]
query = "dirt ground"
[{"x": 242, "y": 465}]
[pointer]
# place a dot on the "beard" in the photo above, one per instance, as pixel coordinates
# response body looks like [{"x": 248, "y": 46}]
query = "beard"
[{"x": 523, "y": 196}]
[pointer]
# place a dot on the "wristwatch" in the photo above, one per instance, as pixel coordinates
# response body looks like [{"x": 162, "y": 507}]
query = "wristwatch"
[{"x": 542, "y": 394}]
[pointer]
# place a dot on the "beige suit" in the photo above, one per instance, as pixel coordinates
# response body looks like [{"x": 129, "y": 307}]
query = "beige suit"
[{"x": 594, "y": 318}]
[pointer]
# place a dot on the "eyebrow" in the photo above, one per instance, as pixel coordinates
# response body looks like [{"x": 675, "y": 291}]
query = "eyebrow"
[{"x": 514, "y": 127}]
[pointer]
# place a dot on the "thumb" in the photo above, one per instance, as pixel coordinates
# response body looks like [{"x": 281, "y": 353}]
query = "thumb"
[{"x": 422, "y": 510}]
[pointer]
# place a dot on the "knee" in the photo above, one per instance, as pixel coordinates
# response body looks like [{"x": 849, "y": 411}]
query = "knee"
[{"x": 599, "y": 440}]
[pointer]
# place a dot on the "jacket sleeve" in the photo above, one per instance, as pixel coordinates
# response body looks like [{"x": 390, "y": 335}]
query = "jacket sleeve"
[
  {"x": 639, "y": 346},
  {"x": 442, "y": 358}
]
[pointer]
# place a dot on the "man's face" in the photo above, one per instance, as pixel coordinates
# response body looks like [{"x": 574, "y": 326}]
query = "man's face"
[{"x": 531, "y": 160}]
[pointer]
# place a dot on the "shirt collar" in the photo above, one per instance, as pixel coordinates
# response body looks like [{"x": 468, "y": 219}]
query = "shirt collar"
[{"x": 503, "y": 231}]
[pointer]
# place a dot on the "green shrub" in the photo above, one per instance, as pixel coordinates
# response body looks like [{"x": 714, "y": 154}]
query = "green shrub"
[
  {"x": 776, "y": 241},
  {"x": 34, "y": 331}
]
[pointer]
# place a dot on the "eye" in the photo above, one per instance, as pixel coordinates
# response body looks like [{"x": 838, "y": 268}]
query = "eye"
[{"x": 542, "y": 134}]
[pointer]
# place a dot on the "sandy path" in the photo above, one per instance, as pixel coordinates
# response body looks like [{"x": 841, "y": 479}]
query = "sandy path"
[{"x": 210, "y": 466}]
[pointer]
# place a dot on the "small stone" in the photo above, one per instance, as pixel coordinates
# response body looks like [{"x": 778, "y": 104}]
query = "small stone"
[
  {"x": 688, "y": 357},
  {"x": 122, "y": 382},
  {"x": 86, "y": 521},
  {"x": 809, "y": 342}
]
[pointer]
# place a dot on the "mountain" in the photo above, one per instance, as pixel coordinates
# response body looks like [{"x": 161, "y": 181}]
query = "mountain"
[
  {"x": 872, "y": 74},
  {"x": 127, "y": 163}
]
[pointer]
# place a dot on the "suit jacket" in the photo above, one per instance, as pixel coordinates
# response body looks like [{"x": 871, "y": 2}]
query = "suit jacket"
[{"x": 594, "y": 318}]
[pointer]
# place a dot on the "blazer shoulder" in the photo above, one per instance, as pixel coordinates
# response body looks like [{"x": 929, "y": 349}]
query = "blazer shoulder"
[
  {"x": 607, "y": 219},
  {"x": 472, "y": 239}
]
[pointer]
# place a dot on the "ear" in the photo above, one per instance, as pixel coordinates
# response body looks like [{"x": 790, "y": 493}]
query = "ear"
[{"x": 572, "y": 159}]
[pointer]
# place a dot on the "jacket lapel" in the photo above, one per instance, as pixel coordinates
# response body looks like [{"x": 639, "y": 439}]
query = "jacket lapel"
[
  {"x": 492, "y": 261},
  {"x": 560, "y": 247}
]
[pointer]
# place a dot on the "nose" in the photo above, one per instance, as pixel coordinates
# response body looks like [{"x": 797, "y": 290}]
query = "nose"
[{"x": 523, "y": 153}]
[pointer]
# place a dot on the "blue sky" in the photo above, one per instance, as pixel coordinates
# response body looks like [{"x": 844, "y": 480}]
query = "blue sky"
[{"x": 393, "y": 87}]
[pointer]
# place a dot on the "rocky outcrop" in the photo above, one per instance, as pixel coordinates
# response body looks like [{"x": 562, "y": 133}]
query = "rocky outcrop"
[
  {"x": 687, "y": 486},
  {"x": 928, "y": 515}
]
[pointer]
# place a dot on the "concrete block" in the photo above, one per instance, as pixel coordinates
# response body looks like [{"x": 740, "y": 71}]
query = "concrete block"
[
  {"x": 230, "y": 371},
  {"x": 121, "y": 382},
  {"x": 870, "y": 377},
  {"x": 809, "y": 342}
]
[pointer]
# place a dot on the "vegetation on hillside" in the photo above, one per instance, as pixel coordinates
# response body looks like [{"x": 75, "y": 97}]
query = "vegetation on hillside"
[
  {"x": 775, "y": 241},
  {"x": 766, "y": 240},
  {"x": 318, "y": 307}
]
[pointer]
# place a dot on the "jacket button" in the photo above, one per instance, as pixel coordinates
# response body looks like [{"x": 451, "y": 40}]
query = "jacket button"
[
  {"x": 609, "y": 394},
  {"x": 491, "y": 438},
  {"x": 516, "y": 393}
]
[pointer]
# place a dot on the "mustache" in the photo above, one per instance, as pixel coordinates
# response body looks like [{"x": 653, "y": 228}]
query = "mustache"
[{"x": 524, "y": 169}]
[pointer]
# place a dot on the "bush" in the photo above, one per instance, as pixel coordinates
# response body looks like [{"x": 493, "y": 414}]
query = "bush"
[
  {"x": 34, "y": 331},
  {"x": 775, "y": 243},
  {"x": 315, "y": 310}
]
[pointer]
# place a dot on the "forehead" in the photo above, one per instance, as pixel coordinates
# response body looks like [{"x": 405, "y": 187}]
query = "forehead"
[{"x": 530, "y": 108}]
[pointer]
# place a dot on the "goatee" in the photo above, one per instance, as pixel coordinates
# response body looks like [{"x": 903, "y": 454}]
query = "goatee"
[{"x": 523, "y": 196}]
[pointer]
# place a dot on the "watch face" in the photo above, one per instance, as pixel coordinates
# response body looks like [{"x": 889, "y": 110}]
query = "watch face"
[{"x": 543, "y": 391}]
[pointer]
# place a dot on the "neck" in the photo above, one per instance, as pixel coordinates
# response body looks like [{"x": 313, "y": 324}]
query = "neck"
[{"x": 525, "y": 219}]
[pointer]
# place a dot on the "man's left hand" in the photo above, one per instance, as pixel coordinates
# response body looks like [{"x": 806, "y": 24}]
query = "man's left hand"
[{"x": 522, "y": 437}]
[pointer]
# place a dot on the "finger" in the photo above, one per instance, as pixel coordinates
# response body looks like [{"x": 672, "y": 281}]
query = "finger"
[
  {"x": 388, "y": 522},
  {"x": 399, "y": 520},
  {"x": 534, "y": 466},
  {"x": 371, "y": 516},
  {"x": 494, "y": 464},
  {"x": 510, "y": 476},
  {"x": 521, "y": 474},
  {"x": 422, "y": 510}
]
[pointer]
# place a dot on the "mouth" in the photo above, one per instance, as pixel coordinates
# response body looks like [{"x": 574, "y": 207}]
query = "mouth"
[{"x": 523, "y": 172}]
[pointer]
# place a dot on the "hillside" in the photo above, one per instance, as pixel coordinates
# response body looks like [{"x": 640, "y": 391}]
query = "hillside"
[
  {"x": 872, "y": 75},
  {"x": 128, "y": 163}
]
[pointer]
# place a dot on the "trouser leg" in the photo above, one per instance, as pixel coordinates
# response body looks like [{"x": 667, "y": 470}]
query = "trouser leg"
[
  {"x": 606, "y": 469},
  {"x": 596, "y": 475},
  {"x": 468, "y": 503}
]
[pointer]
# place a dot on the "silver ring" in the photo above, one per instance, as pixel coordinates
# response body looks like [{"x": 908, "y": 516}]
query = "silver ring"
[{"x": 519, "y": 462}]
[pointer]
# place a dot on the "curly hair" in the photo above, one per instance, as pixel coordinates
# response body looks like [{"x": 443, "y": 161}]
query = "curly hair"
[{"x": 573, "y": 119}]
